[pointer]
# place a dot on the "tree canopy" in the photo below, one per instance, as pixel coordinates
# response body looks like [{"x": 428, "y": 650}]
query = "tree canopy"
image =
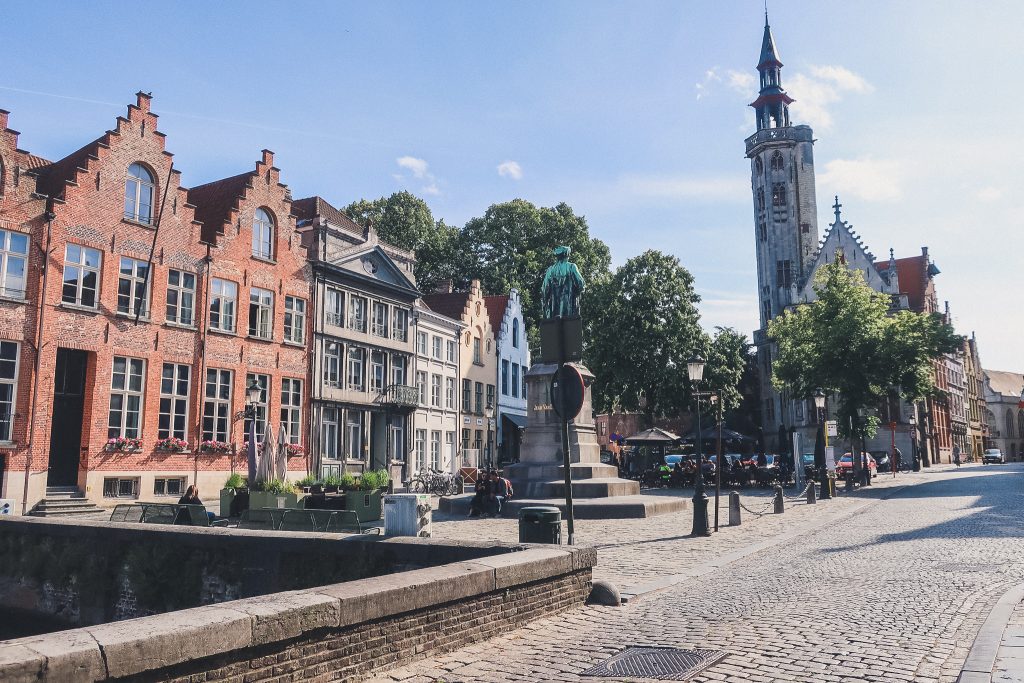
[{"x": 849, "y": 342}]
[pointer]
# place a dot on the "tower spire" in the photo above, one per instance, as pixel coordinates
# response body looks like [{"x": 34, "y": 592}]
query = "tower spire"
[{"x": 772, "y": 104}]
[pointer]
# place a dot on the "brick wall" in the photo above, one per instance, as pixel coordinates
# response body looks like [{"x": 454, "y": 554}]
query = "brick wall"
[{"x": 350, "y": 653}]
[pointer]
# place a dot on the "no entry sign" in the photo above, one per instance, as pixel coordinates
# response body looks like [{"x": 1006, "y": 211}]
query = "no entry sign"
[{"x": 567, "y": 391}]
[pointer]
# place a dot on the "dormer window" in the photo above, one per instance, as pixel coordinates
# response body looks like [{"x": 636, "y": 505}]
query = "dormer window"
[
  {"x": 138, "y": 194},
  {"x": 263, "y": 235}
]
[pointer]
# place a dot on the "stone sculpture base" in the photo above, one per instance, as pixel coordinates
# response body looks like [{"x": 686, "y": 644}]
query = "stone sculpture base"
[{"x": 539, "y": 472}]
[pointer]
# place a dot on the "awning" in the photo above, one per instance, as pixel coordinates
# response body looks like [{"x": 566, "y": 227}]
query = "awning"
[
  {"x": 517, "y": 421},
  {"x": 653, "y": 437}
]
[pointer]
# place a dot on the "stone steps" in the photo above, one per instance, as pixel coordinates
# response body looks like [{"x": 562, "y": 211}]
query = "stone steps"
[{"x": 64, "y": 501}]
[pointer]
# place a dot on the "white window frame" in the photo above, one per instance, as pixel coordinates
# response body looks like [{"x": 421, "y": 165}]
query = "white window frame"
[
  {"x": 174, "y": 401},
  {"x": 260, "y": 408},
  {"x": 399, "y": 324},
  {"x": 421, "y": 344},
  {"x": 136, "y": 187},
  {"x": 398, "y": 369},
  {"x": 177, "y": 309},
  {"x": 453, "y": 352},
  {"x": 334, "y": 307},
  {"x": 9, "y": 379},
  {"x": 83, "y": 268},
  {"x": 378, "y": 370},
  {"x": 421, "y": 449},
  {"x": 134, "y": 369},
  {"x": 261, "y": 313},
  {"x": 450, "y": 398},
  {"x": 505, "y": 374},
  {"x": 333, "y": 353},
  {"x": 294, "y": 319},
  {"x": 436, "y": 347},
  {"x": 223, "y": 296},
  {"x": 132, "y": 271},
  {"x": 263, "y": 234},
  {"x": 421, "y": 386},
  {"x": 435, "y": 449},
  {"x": 329, "y": 419},
  {"x": 356, "y": 368},
  {"x": 217, "y": 407},
  {"x": 379, "y": 320},
  {"x": 358, "y": 313},
  {"x": 514, "y": 383},
  {"x": 291, "y": 409},
  {"x": 354, "y": 434},
  {"x": 12, "y": 258},
  {"x": 435, "y": 391}
]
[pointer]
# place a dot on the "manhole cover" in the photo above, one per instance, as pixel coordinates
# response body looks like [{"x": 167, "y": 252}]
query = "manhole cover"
[
  {"x": 659, "y": 663},
  {"x": 958, "y": 567}
]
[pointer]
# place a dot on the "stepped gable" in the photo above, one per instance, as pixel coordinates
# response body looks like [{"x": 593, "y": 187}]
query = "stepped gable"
[{"x": 496, "y": 306}]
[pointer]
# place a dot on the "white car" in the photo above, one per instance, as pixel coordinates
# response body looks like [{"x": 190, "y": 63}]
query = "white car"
[{"x": 993, "y": 455}]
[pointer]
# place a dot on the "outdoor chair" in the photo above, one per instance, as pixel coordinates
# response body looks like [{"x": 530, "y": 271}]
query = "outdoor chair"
[
  {"x": 158, "y": 513},
  {"x": 196, "y": 515},
  {"x": 258, "y": 519},
  {"x": 298, "y": 520},
  {"x": 122, "y": 512},
  {"x": 347, "y": 522}
]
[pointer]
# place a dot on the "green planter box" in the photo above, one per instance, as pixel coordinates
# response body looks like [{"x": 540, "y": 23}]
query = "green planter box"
[
  {"x": 368, "y": 505},
  {"x": 232, "y": 502},
  {"x": 262, "y": 499}
]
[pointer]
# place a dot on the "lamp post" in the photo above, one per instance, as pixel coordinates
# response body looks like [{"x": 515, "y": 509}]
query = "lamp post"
[
  {"x": 489, "y": 414},
  {"x": 861, "y": 456},
  {"x": 695, "y": 369},
  {"x": 826, "y": 483},
  {"x": 912, "y": 419}
]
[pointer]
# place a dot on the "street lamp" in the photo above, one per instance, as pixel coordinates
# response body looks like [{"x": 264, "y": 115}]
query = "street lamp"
[
  {"x": 826, "y": 484},
  {"x": 695, "y": 369},
  {"x": 252, "y": 398},
  {"x": 489, "y": 414},
  {"x": 912, "y": 419}
]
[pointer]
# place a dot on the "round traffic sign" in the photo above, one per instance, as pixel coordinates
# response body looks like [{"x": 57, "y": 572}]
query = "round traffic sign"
[{"x": 567, "y": 392}]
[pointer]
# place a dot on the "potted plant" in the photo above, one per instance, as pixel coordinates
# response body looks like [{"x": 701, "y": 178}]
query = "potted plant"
[
  {"x": 122, "y": 444},
  {"x": 366, "y": 497},
  {"x": 214, "y": 447},
  {"x": 272, "y": 493},
  {"x": 333, "y": 483},
  {"x": 172, "y": 445},
  {"x": 234, "y": 497},
  {"x": 294, "y": 450},
  {"x": 307, "y": 483}
]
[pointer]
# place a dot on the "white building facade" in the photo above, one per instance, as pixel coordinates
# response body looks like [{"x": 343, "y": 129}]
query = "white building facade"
[
  {"x": 437, "y": 379},
  {"x": 513, "y": 351}
]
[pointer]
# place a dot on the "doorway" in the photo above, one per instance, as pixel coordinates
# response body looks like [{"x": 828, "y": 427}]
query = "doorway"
[{"x": 66, "y": 428}]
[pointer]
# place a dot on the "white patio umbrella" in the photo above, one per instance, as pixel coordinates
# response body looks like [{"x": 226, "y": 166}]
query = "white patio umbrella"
[
  {"x": 281, "y": 462},
  {"x": 266, "y": 469}
]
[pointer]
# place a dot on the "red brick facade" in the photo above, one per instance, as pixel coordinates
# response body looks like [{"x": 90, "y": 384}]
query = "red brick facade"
[{"x": 204, "y": 233}]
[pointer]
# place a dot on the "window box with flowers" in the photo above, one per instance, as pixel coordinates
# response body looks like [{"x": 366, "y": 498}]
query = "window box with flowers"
[
  {"x": 295, "y": 450},
  {"x": 215, "y": 446},
  {"x": 123, "y": 444},
  {"x": 172, "y": 445}
]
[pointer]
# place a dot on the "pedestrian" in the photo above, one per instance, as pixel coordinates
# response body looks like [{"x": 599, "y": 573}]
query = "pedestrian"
[
  {"x": 897, "y": 460},
  {"x": 956, "y": 455},
  {"x": 191, "y": 496},
  {"x": 498, "y": 492},
  {"x": 477, "y": 506}
]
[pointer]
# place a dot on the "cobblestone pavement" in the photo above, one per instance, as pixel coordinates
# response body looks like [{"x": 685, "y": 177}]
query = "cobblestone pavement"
[
  {"x": 890, "y": 589},
  {"x": 1009, "y": 666}
]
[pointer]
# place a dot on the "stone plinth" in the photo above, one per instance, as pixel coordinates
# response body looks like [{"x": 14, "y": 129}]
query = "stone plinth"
[{"x": 539, "y": 472}]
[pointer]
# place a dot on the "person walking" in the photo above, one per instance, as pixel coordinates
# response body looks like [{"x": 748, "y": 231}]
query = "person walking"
[
  {"x": 956, "y": 455},
  {"x": 897, "y": 460}
]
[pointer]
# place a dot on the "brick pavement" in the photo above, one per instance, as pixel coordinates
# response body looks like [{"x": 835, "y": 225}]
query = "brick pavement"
[{"x": 894, "y": 591}]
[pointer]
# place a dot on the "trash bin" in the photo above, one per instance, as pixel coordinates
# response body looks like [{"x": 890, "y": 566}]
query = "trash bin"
[{"x": 540, "y": 525}]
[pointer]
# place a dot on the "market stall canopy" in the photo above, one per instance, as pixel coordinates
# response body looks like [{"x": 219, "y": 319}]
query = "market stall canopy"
[
  {"x": 712, "y": 433},
  {"x": 653, "y": 437}
]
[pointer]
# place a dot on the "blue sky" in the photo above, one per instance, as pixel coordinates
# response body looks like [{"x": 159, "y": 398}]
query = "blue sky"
[{"x": 634, "y": 113}]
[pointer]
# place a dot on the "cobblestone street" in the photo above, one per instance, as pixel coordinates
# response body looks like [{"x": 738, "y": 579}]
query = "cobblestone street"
[{"x": 890, "y": 584}]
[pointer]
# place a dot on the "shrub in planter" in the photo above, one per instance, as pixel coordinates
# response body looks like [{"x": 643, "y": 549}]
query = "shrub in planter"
[
  {"x": 272, "y": 494},
  {"x": 215, "y": 447},
  {"x": 366, "y": 500},
  {"x": 172, "y": 445},
  {"x": 122, "y": 444},
  {"x": 334, "y": 483},
  {"x": 234, "y": 497}
]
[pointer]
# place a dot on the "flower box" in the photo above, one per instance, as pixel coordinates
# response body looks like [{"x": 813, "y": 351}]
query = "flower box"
[
  {"x": 122, "y": 444},
  {"x": 214, "y": 447},
  {"x": 172, "y": 445}
]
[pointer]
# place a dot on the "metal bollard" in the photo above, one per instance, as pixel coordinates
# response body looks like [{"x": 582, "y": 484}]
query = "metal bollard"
[
  {"x": 811, "y": 500},
  {"x": 734, "y": 509},
  {"x": 780, "y": 505}
]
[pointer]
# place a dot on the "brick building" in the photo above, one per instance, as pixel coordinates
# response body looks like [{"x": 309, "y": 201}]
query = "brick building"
[{"x": 143, "y": 336}]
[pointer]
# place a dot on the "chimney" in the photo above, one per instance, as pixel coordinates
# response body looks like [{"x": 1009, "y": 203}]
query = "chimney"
[
  {"x": 268, "y": 158},
  {"x": 924, "y": 252},
  {"x": 142, "y": 100},
  {"x": 474, "y": 287},
  {"x": 3, "y": 119},
  {"x": 445, "y": 287}
]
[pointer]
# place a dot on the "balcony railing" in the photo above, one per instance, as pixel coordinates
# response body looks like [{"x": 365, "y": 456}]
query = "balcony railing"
[{"x": 400, "y": 395}]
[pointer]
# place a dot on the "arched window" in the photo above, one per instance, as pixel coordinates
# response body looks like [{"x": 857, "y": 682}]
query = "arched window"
[
  {"x": 760, "y": 200},
  {"x": 779, "y": 194},
  {"x": 138, "y": 194},
  {"x": 263, "y": 235},
  {"x": 758, "y": 165},
  {"x": 1020, "y": 422},
  {"x": 1009, "y": 424},
  {"x": 777, "y": 163},
  {"x": 515, "y": 337}
]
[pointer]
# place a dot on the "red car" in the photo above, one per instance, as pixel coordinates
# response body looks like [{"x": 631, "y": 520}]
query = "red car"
[{"x": 846, "y": 463}]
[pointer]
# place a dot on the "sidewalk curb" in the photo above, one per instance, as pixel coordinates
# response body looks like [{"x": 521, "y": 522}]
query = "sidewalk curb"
[
  {"x": 634, "y": 592},
  {"x": 981, "y": 660}
]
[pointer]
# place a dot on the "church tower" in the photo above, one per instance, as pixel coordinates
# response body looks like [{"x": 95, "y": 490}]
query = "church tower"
[{"x": 785, "y": 214}]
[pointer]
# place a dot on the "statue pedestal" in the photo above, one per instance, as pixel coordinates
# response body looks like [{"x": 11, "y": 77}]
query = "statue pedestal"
[{"x": 539, "y": 472}]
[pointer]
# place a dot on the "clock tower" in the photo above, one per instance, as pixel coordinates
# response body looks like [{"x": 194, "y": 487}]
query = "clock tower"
[{"x": 785, "y": 214}]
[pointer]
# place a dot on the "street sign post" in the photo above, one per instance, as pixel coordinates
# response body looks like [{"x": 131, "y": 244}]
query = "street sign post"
[{"x": 832, "y": 429}]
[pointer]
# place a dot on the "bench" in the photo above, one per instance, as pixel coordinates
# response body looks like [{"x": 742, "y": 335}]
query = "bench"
[
  {"x": 295, "y": 519},
  {"x": 164, "y": 513}
]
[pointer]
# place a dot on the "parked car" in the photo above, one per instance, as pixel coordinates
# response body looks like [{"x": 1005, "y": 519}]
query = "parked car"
[
  {"x": 845, "y": 464},
  {"x": 993, "y": 455}
]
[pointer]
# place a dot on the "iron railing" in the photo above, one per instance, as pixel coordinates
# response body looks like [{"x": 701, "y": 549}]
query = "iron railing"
[{"x": 400, "y": 395}]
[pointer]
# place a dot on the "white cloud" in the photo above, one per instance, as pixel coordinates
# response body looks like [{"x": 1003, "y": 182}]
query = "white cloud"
[
  {"x": 510, "y": 169},
  {"x": 742, "y": 82},
  {"x": 711, "y": 188},
  {"x": 817, "y": 92},
  {"x": 865, "y": 178},
  {"x": 710, "y": 76},
  {"x": 989, "y": 194},
  {"x": 418, "y": 167}
]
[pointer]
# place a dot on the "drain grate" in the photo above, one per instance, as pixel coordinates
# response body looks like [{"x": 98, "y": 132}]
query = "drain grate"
[{"x": 659, "y": 663}]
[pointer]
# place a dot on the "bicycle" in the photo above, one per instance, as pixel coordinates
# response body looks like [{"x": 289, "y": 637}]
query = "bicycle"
[{"x": 436, "y": 482}]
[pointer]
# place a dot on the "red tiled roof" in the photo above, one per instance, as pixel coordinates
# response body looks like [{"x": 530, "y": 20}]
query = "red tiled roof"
[
  {"x": 309, "y": 207},
  {"x": 214, "y": 202},
  {"x": 33, "y": 162},
  {"x": 447, "y": 304},
  {"x": 496, "y": 306},
  {"x": 912, "y": 272}
]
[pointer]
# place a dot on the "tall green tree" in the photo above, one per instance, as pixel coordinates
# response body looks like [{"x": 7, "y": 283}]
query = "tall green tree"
[
  {"x": 511, "y": 246},
  {"x": 405, "y": 221},
  {"x": 848, "y": 342},
  {"x": 646, "y": 326}
]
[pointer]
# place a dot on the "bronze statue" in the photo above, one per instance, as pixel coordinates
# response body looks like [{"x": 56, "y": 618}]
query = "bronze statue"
[{"x": 563, "y": 285}]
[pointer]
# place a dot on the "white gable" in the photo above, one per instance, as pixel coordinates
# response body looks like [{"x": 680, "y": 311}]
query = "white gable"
[{"x": 374, "y": 263}]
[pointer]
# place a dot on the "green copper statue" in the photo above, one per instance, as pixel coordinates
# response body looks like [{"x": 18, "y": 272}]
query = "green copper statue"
[{"x": 563, "y": 285}]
